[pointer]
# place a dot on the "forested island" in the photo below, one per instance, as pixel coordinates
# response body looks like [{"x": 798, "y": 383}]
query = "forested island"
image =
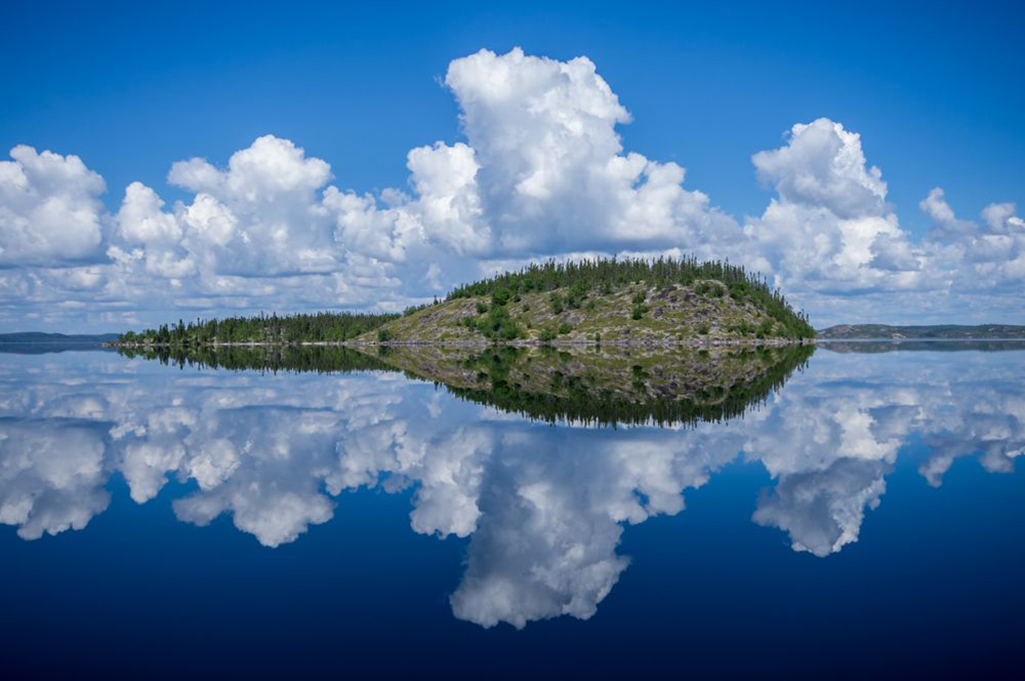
[{"x": 601, "y": 300}]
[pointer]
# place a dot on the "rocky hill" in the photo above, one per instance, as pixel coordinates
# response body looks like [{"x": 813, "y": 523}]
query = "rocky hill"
[
  {"x": 634, "y": 313},
  {"x": 607, "y": 301}
]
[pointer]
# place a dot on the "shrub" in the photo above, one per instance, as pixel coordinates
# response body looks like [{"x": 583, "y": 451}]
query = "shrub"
[
  {"x": 500, "y": 296},
  {"x": 564, "y": 328},
  {"x": 547, "y": 335},
  {"x": 556, "y": 301},
  {"x": 383, "y": 335},
  {"x": 703, "y": 328}
]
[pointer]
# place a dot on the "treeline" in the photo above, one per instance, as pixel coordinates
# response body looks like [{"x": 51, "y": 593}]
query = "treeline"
[
  {"x": 273, "y": 359},
  {"x": 606, "y": 275},
  {"x": 294, "y": 328}
]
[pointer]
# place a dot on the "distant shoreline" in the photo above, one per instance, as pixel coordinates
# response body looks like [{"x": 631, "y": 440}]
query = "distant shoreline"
[
  {"x": 959, "y": 339},
  {"x": 924, "y": 332},
  {"x": 56, "y": 342}
]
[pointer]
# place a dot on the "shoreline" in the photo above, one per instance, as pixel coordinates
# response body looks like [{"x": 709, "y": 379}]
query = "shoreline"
[
  {"x": 720, "y": 342},
  {"x": 482, "y": 343}
]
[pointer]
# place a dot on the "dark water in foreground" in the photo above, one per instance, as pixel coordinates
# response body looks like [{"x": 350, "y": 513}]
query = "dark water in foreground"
[{"x": 767, "y": 515}]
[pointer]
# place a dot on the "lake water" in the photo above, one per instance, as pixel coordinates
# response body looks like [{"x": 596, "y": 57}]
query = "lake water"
[{"x": 853, "y": 512}]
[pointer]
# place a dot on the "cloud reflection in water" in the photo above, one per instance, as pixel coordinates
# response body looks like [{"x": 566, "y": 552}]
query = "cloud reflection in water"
[{"x": 544, "y": 508}]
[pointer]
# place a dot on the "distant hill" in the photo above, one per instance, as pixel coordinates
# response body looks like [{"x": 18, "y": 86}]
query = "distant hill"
[
  {"x": 860, "y": 347},
  {"x": 38, "y": 337},
  {"x": 938, "y": 332}
]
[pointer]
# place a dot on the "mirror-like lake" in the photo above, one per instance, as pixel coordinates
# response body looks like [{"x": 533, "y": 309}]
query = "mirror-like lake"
[{"x": 844, "y": 511}]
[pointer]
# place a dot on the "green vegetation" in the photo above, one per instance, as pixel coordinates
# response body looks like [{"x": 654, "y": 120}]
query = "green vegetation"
[
  {"x": 556, "y": 301},
  {"x": 570, "y": 284},
  {"x": 318, "y": 327},
  {"x": 497, "y": 325},
  {"x": 266, "y": 358},
  {"x": 605, "y": 275},
  {"x": 608, "y": 386}
]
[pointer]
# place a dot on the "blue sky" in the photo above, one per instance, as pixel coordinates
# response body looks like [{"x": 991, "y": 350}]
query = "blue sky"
[{"x": 935, "y": 93}]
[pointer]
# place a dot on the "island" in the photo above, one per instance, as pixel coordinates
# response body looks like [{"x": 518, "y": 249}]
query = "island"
[{"x": 625, "y": 301}]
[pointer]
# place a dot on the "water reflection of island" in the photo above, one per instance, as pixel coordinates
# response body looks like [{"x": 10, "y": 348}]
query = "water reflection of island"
[
  {"x": 543, "y": 509},
  {"x": 323, "y": 359},
  {"x": 608, "y": 385},
  {"x": 592, "y": 385}
]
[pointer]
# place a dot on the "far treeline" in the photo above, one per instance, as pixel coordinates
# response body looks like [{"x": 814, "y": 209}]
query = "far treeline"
[
  {"x": 581, "y": 278},
  {"x": 294, "y": 328}
]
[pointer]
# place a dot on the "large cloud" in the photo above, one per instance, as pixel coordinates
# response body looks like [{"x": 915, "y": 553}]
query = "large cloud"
[
  {"x": 832, "y": 242},
  {"x": 830, "y": 228},
  {"x": 542, "y": 173},
  {"x": 552, "y": 175},
  {"x": 50, "y": 212}
]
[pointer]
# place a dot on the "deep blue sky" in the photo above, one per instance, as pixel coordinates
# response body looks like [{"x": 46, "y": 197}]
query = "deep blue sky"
[{"x": 936, "y": 90}]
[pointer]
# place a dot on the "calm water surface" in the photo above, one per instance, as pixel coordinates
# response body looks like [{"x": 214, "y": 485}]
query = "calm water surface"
[{"x": 858, "y": 512}]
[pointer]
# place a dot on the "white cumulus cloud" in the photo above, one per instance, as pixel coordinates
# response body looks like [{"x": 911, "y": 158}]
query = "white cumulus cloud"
[
  {"x": 542, "y": 172},
  {"x": 50, "y": 212}
]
